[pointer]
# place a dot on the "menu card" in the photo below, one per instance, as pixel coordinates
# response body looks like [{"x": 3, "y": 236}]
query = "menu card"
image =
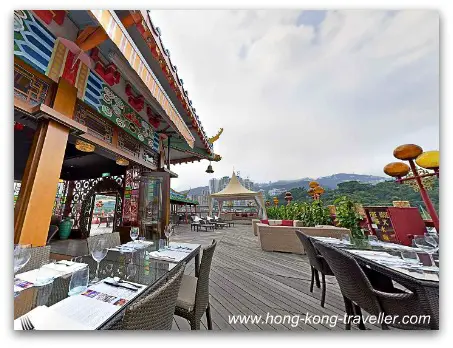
[
  {"x": 44, "y": 318},
  {"x": 98, "y": 303}
]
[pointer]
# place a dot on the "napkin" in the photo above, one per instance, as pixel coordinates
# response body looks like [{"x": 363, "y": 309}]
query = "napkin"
[{"x": 44, "y": 318}]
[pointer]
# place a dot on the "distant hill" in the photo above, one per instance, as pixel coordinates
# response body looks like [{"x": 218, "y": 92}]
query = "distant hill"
[
  {"x": 196, "y": 191},
  {"x": 331, "y": 181},
  {"x": 328, "y": 182}
]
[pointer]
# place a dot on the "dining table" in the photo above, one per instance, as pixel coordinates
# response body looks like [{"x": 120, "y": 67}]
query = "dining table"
[
  {"x": 383, "y": 266},
  {"x": 143, "y": 267}
]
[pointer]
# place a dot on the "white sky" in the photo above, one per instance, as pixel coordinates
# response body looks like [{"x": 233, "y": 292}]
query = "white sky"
[{"x": 306, "y": 93}]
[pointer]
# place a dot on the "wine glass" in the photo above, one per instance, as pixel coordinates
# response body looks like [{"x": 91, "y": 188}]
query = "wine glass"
[
  {"x": 22, "y": 254},
  {"x": 98, "y": 253},
  {"x": 134, "y": 233},
  {"x": 167, "y": 232}
]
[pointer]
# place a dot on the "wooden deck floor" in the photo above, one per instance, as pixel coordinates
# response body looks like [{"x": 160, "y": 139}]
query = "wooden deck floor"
[{"x": 246, "y": 280}]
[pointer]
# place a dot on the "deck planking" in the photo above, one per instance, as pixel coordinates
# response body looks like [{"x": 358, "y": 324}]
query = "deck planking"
[{"x": 247, "y": 280}]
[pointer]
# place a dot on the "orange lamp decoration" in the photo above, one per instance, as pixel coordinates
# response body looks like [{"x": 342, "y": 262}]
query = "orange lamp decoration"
[
  {"x": 315, "y": 190},
  {"x": 428, "y": 160},
  {"x": 288, "y": 197},
  {"x": 275, "y": 200}
]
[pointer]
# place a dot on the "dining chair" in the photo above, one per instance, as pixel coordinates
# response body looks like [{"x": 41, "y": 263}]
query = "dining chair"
[
  {"x": 193, "y": 297},
  {"x": 154, "y": 311},
  {"x": 112, "y": 239},
  {"x": 317, "y": 264},
  {"x": 358, "y": 292},
  {"x": 38, "y": 256},
  {"x": 53, "y": 229}
]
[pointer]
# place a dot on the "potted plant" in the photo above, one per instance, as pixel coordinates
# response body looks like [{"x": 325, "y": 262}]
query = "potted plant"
[{"x": 64, "y": 229}]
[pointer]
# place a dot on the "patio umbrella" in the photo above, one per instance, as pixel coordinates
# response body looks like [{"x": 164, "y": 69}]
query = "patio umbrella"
[{"x": 79, "y": 53}]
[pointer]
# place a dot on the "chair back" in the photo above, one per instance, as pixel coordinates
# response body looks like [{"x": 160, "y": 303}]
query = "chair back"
[
  {"x": 310, "y": 250},
  {"x": 38, "y": 256},
  {"x": 155, "y": 311},
  {"x": 353, "y": 282},
  {"x": 202, "y": 294},
  {"x": 112, "y": 239},
  {"x": 53, "y": 229}
]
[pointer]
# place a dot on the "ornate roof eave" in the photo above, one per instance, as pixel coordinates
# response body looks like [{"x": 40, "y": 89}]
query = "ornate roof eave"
[
  {"x": 196, "y": 152},
  {"x": 118, "y": 34},
  {"x": 152, "y": 37}
]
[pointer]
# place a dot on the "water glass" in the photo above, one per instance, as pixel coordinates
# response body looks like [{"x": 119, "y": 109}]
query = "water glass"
[
  {"x": 98, "y": 253},
  {"x": 373, "y": 239},
  {"x": 410, "y": 257},
  {"x": 46, "y": 274},
  {"x": 134, "y": 233},
  {"x": 22, "y": 254},
  {"x": 426, "y": 243},
  {"x": 162, "y": 244},
  {"x": 346, "y": 239},
  {"x": 79, "y": 281}
]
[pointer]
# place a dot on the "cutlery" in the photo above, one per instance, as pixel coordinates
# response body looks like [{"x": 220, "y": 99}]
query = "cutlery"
[
  {"x": 62, "y": 263},
  {"x": 120, "y": 286},
  {"x": 26, "y": 323},
  {"x": 118, "y": 280}
]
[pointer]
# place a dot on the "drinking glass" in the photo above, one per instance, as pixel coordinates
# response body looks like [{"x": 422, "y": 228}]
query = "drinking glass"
[
  {"x": 22, "y": 254},
  {"x": 45, "y": 274},
  {"x": 410, "y": 257},
  {"x": 167, "y": 234},
  {"x": 134, "y": 233},
  {"x": 98, "y": 254},
  {"x": 373, "y": 239},
  {"x": 79, "y": 281},
  {"x": 346, "y": 239},
  {"x": 421, "y": 242},
  {"x": 430, "y": 240}
]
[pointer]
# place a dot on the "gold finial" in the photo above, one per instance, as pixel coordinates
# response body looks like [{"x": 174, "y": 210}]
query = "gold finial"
[{"x": 216, "y": 137}]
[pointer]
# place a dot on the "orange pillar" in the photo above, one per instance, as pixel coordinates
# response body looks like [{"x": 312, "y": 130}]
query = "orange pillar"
[{"x": 40, "y": 180}]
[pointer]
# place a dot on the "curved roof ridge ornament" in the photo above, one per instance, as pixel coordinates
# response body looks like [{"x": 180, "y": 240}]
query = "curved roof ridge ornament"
[{"x": 216, "y": 137}]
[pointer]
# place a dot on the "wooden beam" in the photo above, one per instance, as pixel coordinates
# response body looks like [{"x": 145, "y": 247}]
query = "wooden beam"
[{"x": 42, "y": 172}]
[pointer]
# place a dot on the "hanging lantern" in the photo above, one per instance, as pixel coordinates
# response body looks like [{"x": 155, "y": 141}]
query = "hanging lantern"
[
  {"x": 275, "y": 200},
  {"x": 268, "y": 203},
  {"x": 122, "y": 162},
  {"x": 84, "y": 146},
  {"x": 209, "y": 170}
]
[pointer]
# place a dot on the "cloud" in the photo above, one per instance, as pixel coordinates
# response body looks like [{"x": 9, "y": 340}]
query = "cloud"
[{"x": 306, "y": 93}]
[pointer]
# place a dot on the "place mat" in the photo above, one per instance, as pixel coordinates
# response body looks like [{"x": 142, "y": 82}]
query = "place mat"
[
  {"x": 45, "y": 318},
  {"x": 187, "y": 246},
  {"x": 168, "y": 255},
  {"x": 65, "y": 267}
]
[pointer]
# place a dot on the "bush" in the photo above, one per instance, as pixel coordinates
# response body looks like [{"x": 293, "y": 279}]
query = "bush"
[
  {"x": 310, "y": 214},
  {"x": 348, "y": 217}
]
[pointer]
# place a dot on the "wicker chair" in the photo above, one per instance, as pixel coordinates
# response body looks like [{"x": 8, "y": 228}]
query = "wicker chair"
[
  {"x": 38, "y": 256},
  {"x": 358, "y": 292},
  {"x": 317, "y": 263},
  {"x": 113, "y": 240},
  {"x": 53, "y": 229},
  {"x": 154, "y": 311},
  {"x": 193, "y": 297}
]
